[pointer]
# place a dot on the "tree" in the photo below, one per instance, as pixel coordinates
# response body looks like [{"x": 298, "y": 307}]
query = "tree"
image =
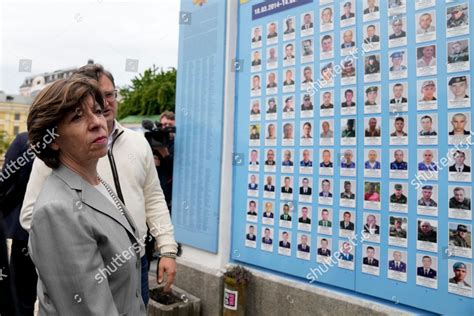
[{"x": 151, "y": 93}]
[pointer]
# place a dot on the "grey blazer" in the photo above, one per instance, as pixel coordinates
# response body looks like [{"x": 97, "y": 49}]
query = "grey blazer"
[{"x": 85, "y": 251}]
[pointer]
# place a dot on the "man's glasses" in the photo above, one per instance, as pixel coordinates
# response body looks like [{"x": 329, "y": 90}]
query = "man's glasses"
[{"x": 110, "y": 96}]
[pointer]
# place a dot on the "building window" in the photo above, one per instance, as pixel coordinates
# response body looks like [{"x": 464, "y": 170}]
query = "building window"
[
  {"x": 16, "y": 130},
  {"x": 17, "y": 116}
]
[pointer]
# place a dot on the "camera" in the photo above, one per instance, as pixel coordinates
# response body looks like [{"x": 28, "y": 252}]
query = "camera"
[{"x": 158, "y": 135}]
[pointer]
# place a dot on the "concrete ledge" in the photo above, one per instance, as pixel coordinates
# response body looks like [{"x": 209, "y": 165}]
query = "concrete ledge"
[{"x": 273, "y": 295}]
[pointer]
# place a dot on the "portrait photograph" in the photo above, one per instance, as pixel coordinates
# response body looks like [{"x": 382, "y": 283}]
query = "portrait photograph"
[
  {"x": 326, "y": 136},
  {"x": 324, "y": 249},
  {"x": 256, "y": 36},
  {"x": 327, "y": 46},
  {"x": 289, "y": 28},
  {"x": 250, "y": 236},
  {"x": 372, "y": 163},
  {"x": 459, "y": 202},
  {"x": 347, "y": 40},
  {"x": 426, "y": 63},
  {"x": 425, "y": 26},
  {"x": 252, "y": 210},
  {"x": 288, "y": 107},
  {"x": 348, "y": 163},
  {"x": 397, "y": 35},
  {"x": 304, "y": 217},
  {"x": 460, "y": 162},
  {"x": 306, "y": 105},
  {"x": 427, "y": 163},
  {"x": 398, "y": 231},
  {"x": 397, "y": 265},
  {"x": 269, "y": 187},
  {"x": 398, "y": 68},
  {"x": 459, "y": 92},
  {"x": 346, "y": 255},
  {"x": 347, "y": 222},
  {"x": 326, "y": 164},
  {"x": 427, "y": 270},
  {"x": 371, "y": 260},
  {"x": 349, "y": 71},
  {"x": 457, "y": 20},
  {"x": 348, "y": 132},
  {"x": 304, "y": 246},
  {"x": 270, "y": 160},
  {"x": 372, "y": 130},
  {"x": 399, "y": 130},
  {"x": 372, "y": 195},
  {"x": 371, "y": 229},
  {"x": 287, "y": 188},
  {"x": 427, "y": 236},
  {"x": 371, "y": 10},
  {"x": 348, "y": 101},
  {"x": 327, "y": 75},
  {"x": 306, "y": 160},
  {"x": 459, "y": 127},
  {"x": 254, "y": 163},
  {"x": 272, "y": 83},
  {"x": 307, "y": 25},
  {"x": 372, "y": 102},
  {"x": 348, "y": 9},
  {"x": 254, "y": 134},
  {"x": 348, "y": 193},
  {"x": 427, "y": 133},
  {"x": 396, "y": 7},
  {"x": 460, "y": 240},
  {"x": 372, "y": 68},
  {"x": 306, "y": 138},
  {"x": 270, "y": 134},
  {"x": 326, "y": 19},
  {"x": 427, "y": 94},
  {"x": 325, "y": 220},
  {"x": 268, "y": 214},
  {"x": 271, "y": 110},
  {"x": 325, "y": 194},
  {"x": 288, "y": 136},
  {"x": 399, "y": 163},
  {"x": 460, "y": 277},
  {"x": 458, "y": 55},
  {"x": 255, "y": 110},
  {"x": 256, "y": 58},
  {"x": 255, "y": 86},
  {"x": 252, "y": 187},
  {"x": 272, "y": 57},
  {"x": 326, "y": 103},
  {"x": 284, "y": 243},
  {"x": 398, "y": 200},
  {"x": 398, "y": 95},
  {"x": 307, "y": 50},
  {"x": 272, "y": 33},
  {"x": 305, "y": 189},
  {"x": 427, "y": 200},
  {"x": 289, "y": 54},
  {"x": 287, "y": 161},
  {"x": 289, "y": 80},
  {"x": 267, "y": 239},
  {"x": 372, "y": 37}
]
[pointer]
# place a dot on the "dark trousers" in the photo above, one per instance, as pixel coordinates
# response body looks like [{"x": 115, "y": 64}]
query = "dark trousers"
[{"x": 24, "y": 277}]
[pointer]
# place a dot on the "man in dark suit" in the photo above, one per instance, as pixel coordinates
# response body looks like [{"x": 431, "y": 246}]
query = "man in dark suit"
[
  {"x": 284, "y": 243},
  {"x": 304, "y": 219},
  {"x": 305, "y": 189},
  {"x": 371, "y": 7},
  {"x": 370, "y": 260},
  {"x": 371, "y": 36},
  {"x": 251, "y": 234},
  {"x": 12, "y": 191},
  {"x": 257, "y": 37},
  {"x": 398, "y": 94},
  {"x": 459, "y": 166},
  {"x": 307, "y": 23},
  {"x": 323, "y": 250},
  {"x": 266, "y": 238},
  {"x": 425, "y": 270},
  {"x": 287, "y": 187},
  {"x": 397, "y": 264},
  {"x": 303, "y": 247},
  {"x": 269, "y": 186},
  {"x": 398, "y": 32},
  {"x": 346, "y": 223}
]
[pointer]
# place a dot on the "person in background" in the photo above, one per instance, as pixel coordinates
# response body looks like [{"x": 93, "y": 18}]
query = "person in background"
[{"x": 12, "y": 191}]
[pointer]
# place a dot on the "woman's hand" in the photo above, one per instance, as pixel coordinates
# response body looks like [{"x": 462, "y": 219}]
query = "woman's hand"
[{"x": 168, "y": 266}]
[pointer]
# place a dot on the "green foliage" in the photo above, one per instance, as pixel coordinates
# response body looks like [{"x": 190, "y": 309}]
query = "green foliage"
[
  {"x": 151, "y": 93},
  {"x": 4, "y": 142}
]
